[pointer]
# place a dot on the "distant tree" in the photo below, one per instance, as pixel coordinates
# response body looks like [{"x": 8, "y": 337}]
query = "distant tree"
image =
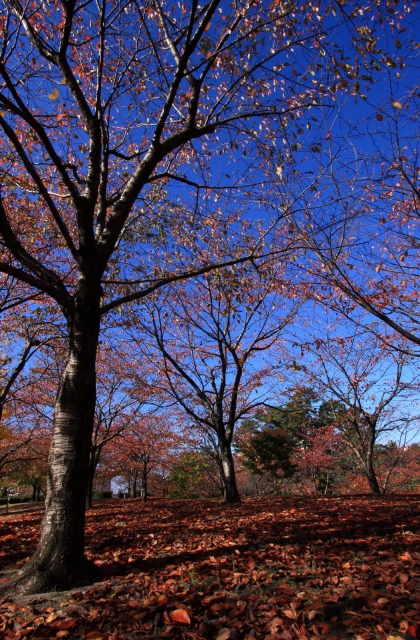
[
  {"x": 369, "y": 392},
  {"x": 298, "y": 435},
  {"x": 194, "y": 475},
  {"x": 269, "y": 452},
  {"x": 209, "y": 339}
]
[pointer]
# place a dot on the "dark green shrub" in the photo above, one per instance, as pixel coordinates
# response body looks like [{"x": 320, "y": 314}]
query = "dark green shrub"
[{"x": 101, "y": 495}]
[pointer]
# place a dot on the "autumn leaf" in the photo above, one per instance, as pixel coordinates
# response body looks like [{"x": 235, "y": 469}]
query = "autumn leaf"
[
  {"x": 95, "y": 635},
  {"x": 396, "y": 104},
  {"x": 66, "y": 623},
  {"x": 53, "y": 95},
  {"x": 180, "y": 616}
]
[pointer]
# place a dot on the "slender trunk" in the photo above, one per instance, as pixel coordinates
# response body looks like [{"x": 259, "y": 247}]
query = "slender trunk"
[
  {"x": 59, "y": 561},
  {"x": 370, "y": 472},
  {"x": 327, "y": 483},
  {"x": 93, "y": 463},
  {"x": 134, "y": 476},
  {"x": 231, "y": 493},
  {"x": 372, "y": 479},
  {"x": 89, "y": 497},
  {"x": 144, "y": 483}
]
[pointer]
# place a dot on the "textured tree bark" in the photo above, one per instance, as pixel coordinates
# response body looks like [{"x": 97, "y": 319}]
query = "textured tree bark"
[
  {"x": 369, "y": 470},
  {"x": 59, "y": 561},
  {"x": 231, "y": 493},
  {"x": 372, "y": 479}
]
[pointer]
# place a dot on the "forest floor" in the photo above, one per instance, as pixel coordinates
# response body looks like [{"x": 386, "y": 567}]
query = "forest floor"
[{"x": 269, "y": 569}]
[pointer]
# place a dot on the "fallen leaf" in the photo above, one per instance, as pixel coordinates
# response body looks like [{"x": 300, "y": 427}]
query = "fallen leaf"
[
  {"x": 180, "y": 616},
  {"x": 66, "y": 623}
]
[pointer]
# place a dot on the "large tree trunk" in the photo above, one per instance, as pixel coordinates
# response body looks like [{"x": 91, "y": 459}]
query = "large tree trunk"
[
  {"x": 231, "y": 493},
  {"x": 59, "y": 561}
]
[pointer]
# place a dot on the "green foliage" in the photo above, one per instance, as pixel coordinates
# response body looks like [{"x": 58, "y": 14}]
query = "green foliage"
[
  {"x": 15, "y": 500},
  {"x": 269, "y": 451},
  {"x": 101, "y": 495},
  {"x": 275, "y": 437},
  {"x": 192, "y": 477},
  {"x": 301, "y": 414}
]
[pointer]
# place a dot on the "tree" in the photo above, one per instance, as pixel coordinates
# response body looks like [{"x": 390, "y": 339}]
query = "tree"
[
  {"x": 103, "y": 107},
  {"x": 23, "y": 362},
  {"x": 364, "y": 241},
  {"x": 309, "y": 427},
  {"x": 268, "y": 452},
  {"x": 119, "y": 401},
  {"x": 194, "y": 475},
  {"x": 148, "y": 441},
  {"x": 32, "y": 470},
  {"x": 370, "y": 392},
  {"x": 206, "y": 340}
]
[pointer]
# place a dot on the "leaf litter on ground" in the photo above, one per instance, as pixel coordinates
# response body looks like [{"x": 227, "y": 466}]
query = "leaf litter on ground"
[{"x": 269, "y": 568}]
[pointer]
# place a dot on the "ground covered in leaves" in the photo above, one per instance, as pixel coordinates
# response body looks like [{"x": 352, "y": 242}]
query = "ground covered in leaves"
[{"x": 269, "y": 569}]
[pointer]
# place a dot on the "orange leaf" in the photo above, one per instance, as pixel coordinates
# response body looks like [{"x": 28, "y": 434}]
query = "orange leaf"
[
  {"x": 290, "y": 614},
  {"x": 180, "y": 616},
  {"x": 95, "y": 635}
]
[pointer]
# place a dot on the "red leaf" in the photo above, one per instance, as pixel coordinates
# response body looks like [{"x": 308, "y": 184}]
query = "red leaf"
[
  {"x": 66, "y": 623},
  {"x": 180, "y": 616}
]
